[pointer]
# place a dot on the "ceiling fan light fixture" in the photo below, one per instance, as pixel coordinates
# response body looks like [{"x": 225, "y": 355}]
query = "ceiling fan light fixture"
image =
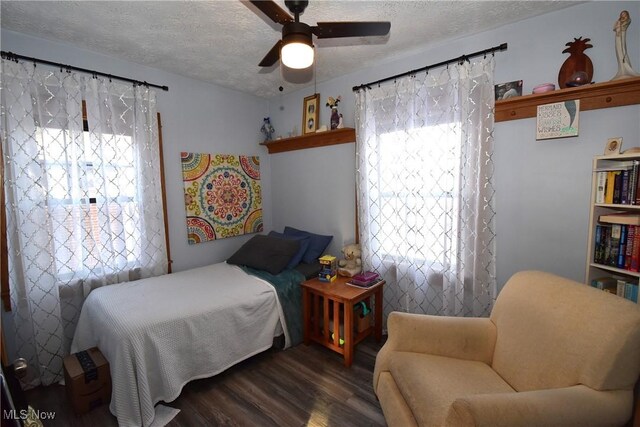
[
  {"x": 297, "y": 46},
  {"x": 295, "y": 49},
  {"x": 297, "y": 55}
]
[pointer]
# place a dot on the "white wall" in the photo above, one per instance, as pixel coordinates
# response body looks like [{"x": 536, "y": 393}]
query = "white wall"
[
  {"x": 316, "y": 192},
  {"x": 196, "y": 117},
  {"x": 542, "y": 188}
]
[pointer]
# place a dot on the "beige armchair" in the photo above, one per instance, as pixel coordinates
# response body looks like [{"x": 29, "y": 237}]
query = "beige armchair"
[{"x": 554, "y": 352}]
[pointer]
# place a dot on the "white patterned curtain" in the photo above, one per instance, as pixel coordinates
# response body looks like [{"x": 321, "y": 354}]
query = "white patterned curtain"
[
  {"x": 84, "y": 206},
  {"x": 425, "y": 193}
]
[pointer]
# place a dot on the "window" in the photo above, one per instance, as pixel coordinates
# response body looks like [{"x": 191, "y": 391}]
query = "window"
[
  {"x": 91, "y": 200},
  {"x": 418, "y": 195}
]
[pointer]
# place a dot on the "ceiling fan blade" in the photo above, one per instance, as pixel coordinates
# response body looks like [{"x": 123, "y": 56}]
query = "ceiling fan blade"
[
  {"x": 325, "y": 30},
  {"x": 273, "y": 55},
  {"x": 273, "y": 11}
]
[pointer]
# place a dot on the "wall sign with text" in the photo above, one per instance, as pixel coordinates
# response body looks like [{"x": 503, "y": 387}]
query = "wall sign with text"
[{"x": 557, "y": 120}]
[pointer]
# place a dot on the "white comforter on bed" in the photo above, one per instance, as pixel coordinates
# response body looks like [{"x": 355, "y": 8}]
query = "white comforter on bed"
[{"x": 160, "y": 333}]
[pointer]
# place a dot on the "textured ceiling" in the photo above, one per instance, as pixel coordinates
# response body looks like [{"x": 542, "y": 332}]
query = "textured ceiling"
[{"x": 223, "y": 41}]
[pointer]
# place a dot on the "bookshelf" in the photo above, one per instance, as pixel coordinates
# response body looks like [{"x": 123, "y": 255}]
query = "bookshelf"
[{"x": 613, "y": 247}]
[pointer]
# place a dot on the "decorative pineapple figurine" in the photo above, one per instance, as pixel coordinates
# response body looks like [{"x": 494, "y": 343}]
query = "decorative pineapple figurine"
[{"x": 576, "y": 64}]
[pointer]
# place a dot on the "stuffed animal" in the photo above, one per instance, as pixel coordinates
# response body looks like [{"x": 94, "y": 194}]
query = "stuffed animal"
[{"x": 351, "y": 264}]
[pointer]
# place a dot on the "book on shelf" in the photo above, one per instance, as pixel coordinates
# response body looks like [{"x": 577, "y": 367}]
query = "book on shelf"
[
  {"x": 622, "y": 246},
  {"x": 608, "y": 284},
  {"x": 631, "y": 292},
  {"x": 633, "y": 182},
  {"x": 636, "y": 185},
  {"x": 617, "y": 245},
  {"x": 601, "y": 182},
  {"x": 631, "y": 234},
  {"x": 621, "y": 218},
  {"x": 624, "y": 188},
  {"x": 620, "y": 287},
  {"x": 610, "y": 187},
  {"x": 612, "y": 259},
  {"x": 618, "y": 184},
  {"x": 635, "y": 250},
  {"x": 598, "y": 255},
  {"x": 627, "y": 290}
]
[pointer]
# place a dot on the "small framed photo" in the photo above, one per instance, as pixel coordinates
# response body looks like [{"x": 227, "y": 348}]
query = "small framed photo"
[
  {"x": 508, "y": 90},
  {"x": 613, "y": 146},
  {"x": 310, "y": 113}
]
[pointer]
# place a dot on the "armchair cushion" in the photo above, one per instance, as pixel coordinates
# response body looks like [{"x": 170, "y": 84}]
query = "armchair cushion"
[{"x": 440, "y": 381}]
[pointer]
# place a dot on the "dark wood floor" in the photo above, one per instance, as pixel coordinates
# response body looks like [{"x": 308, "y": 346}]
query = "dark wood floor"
[{"x": 301, "y": 386}]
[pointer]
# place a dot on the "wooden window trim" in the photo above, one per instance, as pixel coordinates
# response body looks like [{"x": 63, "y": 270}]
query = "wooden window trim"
[
  {"x": 4, "y": 253},
  {"x": 164, "y": 196}
]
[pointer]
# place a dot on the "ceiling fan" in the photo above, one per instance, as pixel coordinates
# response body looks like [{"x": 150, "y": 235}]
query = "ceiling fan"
[{"x": 296, "y": 46}]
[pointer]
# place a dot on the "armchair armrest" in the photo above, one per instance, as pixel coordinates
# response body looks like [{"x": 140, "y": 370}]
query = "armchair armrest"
[
  {"x": 465, "y": 338},
  {"x": 469, "y": 338},
  {"x": 570, "y": 406}
]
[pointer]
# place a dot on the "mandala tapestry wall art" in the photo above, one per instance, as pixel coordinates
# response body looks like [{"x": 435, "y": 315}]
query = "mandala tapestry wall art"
[{"x": 222, "y": 195}]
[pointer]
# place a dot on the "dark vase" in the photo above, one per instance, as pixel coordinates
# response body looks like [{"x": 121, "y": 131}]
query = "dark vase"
[{"x": 335, "y": 118}]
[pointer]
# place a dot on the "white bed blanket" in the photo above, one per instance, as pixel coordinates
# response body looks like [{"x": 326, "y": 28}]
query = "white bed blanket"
[{"x": 160, "y": 333}]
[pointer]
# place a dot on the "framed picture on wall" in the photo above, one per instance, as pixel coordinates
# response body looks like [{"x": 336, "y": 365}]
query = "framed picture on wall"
[
  {"x": 310, "y": 113},
  {"x": 508, "y": 90}
]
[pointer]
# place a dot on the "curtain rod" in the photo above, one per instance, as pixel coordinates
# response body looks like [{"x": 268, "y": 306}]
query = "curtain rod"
[
  {"x": 459, "y": 59},
  {"x": 14, "y": 57}
]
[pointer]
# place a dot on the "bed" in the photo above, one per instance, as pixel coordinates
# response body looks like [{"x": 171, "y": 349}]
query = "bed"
[{"x": 162, "y": 332}]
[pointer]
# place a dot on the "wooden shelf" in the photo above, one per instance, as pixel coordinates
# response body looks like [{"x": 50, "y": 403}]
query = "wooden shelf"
[
  {"x": 592, "y": 97},
  {"x": 617, "y": 206},
  {"x": 312, "y": 140},
  {"x": 616, "y": 270}
]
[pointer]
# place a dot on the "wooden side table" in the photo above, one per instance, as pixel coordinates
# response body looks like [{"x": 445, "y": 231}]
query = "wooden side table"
[{"x": 334, "y": 302}]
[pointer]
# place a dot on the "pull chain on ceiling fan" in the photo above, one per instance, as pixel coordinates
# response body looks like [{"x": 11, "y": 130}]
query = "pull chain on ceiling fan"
[{"x": 296, "y": 46}]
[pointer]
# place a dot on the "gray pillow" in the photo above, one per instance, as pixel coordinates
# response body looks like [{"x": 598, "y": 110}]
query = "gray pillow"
[{"x": 268, "y": 253}]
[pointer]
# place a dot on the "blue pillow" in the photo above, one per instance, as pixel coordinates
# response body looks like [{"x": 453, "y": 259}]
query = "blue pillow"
[
  {"x": 317, "y": 243},
  {"x": 304, "y": 245}
]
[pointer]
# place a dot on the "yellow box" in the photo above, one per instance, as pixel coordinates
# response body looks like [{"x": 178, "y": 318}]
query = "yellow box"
[
  {"x": 329, "y": 271},
  {"x": 329, "y": 261}
]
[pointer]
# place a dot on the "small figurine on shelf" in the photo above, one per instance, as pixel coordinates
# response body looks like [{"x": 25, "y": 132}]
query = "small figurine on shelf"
[
  {"x": 577, "y": 69},
  {"x": 335, "y": 117},
  {"x": 625, "y": 70},
  {"x": 352, "y": 262},
  {"x": 267, "y": 129},
  {"x": 340, "y": 122}
]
